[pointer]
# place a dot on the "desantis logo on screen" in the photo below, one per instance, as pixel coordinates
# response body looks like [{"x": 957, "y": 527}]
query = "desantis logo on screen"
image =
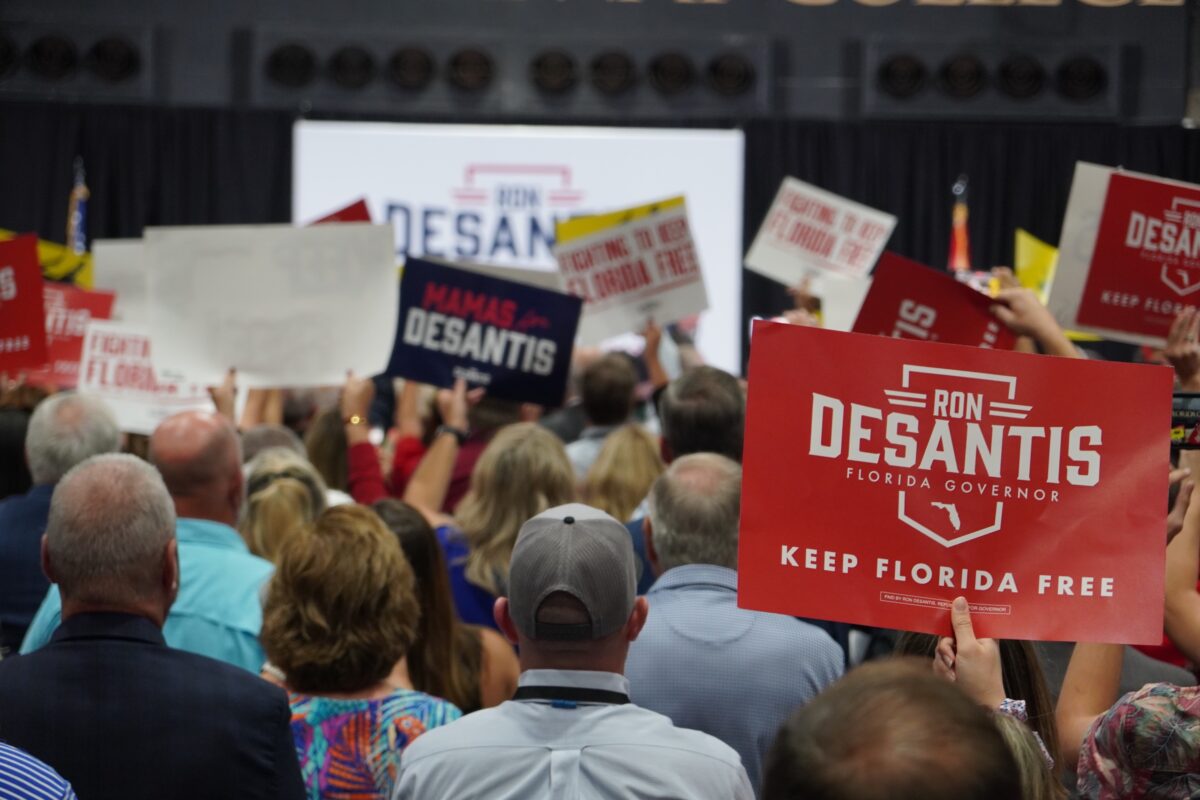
[
  {"x": 1172, "y": 240},
  {"x": 955, "y": 447},
  {"x": 500, "y": 213}
]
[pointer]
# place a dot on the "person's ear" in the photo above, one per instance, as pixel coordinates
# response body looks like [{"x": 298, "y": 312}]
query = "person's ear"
[
  {"x": 170, "y": 571},
  {"x": 503, "y": 617},
  {"x": 637, "y": 618},
  {"x": 648, "y": 540},
  {"x": 47, "y": 567}
]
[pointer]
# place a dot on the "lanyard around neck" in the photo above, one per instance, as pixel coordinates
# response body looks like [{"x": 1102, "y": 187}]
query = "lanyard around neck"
[{"x": 570, "y": 696}]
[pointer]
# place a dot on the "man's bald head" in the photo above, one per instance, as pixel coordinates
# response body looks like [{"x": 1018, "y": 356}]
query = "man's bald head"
[{"x": 200, "y": 458}]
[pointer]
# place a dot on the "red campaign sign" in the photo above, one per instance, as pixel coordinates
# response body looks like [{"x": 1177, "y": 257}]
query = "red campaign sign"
[
  {"x": 355, "y": 212},
  {"x": 877, "y": 493},
  {"x": 22, "y": 331},
  {"x": 68, "y": 311},
  {"x": 1146, "y": 267},
  {"x": 908, "y": 300}
]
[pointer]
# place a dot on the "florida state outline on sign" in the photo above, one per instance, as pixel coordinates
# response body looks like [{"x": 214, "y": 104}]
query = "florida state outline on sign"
[
  {"x": 1146, "y": 265},
  {"x": 881, "y": 483}
]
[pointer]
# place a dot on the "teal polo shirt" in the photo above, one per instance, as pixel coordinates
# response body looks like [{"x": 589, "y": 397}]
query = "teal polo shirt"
[{"x": 218, "y": 612}]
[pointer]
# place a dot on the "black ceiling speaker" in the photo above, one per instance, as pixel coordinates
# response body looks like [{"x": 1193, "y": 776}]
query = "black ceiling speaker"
[
  {"x": 410, "y": 68},
  {"x": 1021, "y": 77},
  {"x": 554, "y": 71},
  {"x": 113, "y": 59},
  {"x": 9, "y": 56},
  {"x": 731, "y": 74},
  {"x": 902, "y": 76},
  {"x": 613, "y": 73},
  {"x": 471, "y": 70},
  {"x": 963, "y": 77},
  {"x": 1081, "y": 78},
  {"x": 52, "y": 57},
  {"x": 351, "y": 67},
  {"x": 672, "y": 73},
  {"x": 292, "y": 65}
]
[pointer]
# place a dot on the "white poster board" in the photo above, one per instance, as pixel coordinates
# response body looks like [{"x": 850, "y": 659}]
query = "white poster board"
[
  {"x": 841, "y": 299},
  {"x": 119, "y": 265},
  {"x": 809, "y": 231},
  {"x": 117, "y": 368},
  {"x": 494, "y": 193},
  {"x": 645, "y": 269},
  {"x": 284, "y": 306},
  {"x": 1077, "y": 243}
]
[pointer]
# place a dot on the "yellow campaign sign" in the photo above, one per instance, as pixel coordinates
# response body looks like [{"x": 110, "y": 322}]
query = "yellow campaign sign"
[
  {"x": 1034, "y": 264},
  {"x": 576, "y": 228},
  {"x": 59, "y": 263}
]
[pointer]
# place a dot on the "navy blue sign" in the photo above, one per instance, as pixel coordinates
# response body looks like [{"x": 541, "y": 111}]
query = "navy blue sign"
[{"x": 513, "y": 339}]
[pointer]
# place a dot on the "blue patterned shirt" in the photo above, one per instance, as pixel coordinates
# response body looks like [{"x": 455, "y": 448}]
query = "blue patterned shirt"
[
  {"x": 23, "y": 777},
  {"x": 351, "y": 748}
]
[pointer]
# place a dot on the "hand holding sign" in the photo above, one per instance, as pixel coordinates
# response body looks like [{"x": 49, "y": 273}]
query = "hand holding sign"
[
  {"x": 1183, "y": 349},
  {"x": 455, "y": 404},
  {"x": 974, "y": 664},
  {"x": 355, "y": 406},
  {"x": 224, "y": 397},
  {"x": 1023, "y": 313}
]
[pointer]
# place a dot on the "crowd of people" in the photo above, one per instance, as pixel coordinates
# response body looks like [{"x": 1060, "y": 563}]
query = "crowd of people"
[{"x": 494, "y": 600}]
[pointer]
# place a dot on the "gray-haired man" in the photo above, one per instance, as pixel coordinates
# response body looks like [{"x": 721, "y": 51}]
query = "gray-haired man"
[
  {"x": 702, "y": 661},
  {"x": 64, "y": 430},
  {"x": 570, "y": 730}
]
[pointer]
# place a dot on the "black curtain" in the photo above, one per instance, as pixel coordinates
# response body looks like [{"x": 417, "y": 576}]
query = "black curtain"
[
  {"x": 164, "y": 166},
  {"x": 145, "y": 166}
]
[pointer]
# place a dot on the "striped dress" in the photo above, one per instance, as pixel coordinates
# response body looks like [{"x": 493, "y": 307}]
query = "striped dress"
[
  {"x": 350, "y": 749},
  {"x": 23, "y": 777}
]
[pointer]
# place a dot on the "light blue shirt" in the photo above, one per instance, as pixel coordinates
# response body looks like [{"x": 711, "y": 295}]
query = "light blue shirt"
[
  {"x": 218, "y": 612},
  {"x": 733, "y": 673},
  {"x": 537, "y": 750}
]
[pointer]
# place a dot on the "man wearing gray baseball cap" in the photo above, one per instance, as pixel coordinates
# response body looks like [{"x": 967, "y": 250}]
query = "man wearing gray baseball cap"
[{"x": 570, "y": 730}]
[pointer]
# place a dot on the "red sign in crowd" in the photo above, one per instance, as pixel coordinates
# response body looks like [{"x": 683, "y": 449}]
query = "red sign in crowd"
[
  {"x": 881, "y": 484},
  {"x": 22, "y": 318},
  {"x": 1146, "y": 265},
  {"x": 68, "y": 310},
  {"x": 908, "y": 300}
]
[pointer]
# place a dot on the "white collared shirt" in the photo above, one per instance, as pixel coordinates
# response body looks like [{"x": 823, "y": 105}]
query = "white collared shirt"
[{"x": 531, "y": 749}]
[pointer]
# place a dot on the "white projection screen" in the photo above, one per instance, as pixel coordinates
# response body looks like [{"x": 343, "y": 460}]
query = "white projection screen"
[{"x": 492, "y": 193}]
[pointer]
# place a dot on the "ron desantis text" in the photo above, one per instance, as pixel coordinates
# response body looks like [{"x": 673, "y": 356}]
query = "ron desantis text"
[{"x": 916, "y": 473}]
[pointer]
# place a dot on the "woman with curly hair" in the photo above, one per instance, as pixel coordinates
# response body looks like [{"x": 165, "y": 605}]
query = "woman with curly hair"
[{"x": 340, "y": 615}]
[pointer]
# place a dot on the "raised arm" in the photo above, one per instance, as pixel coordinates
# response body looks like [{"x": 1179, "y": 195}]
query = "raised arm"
[
  {"x": 1023, "y": 313},
  {"x": 364, "y": 476},
  {"x": 1183, "y": 349},
  {"x": 654, "y": 368},
  {"x": 1091, "y": 686},
  {"x": 426, "y": 490},
  {"x": 1182, "y": 614}
]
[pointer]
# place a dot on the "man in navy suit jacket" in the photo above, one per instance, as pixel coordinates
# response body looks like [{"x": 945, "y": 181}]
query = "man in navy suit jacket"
[
  {"x": 63, "y": 431},
  {"x": 106, "y": 703}
]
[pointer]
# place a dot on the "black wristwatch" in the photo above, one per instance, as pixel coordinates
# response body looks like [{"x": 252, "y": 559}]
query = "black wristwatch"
[{"x": 458, "y": 433}]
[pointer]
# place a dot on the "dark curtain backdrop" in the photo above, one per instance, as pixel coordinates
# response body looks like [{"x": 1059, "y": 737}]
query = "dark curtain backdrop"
[{"x": 164, "y": 166}]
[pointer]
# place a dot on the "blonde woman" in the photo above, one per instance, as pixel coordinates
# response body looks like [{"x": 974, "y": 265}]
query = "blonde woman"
[
  {"x": 523, "y": 471},
  {"x": 283, "y": 494},
  {"x": 621, "y": 477}
]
